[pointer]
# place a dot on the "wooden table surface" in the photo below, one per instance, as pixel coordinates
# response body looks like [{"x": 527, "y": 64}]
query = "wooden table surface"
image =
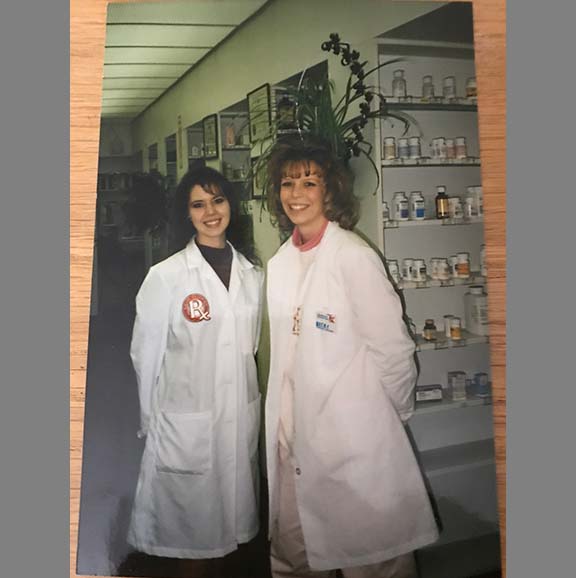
[{"x": 87, "y": 32}]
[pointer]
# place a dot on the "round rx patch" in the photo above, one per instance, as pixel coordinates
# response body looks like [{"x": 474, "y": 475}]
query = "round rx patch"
[{"x": 196, "y": 308}]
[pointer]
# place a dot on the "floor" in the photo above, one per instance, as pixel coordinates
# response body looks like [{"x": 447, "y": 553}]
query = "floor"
[{"x": 112, "y": 451}]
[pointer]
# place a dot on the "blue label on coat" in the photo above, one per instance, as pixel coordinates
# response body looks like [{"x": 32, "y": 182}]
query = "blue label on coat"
[{"x": 326, "y": 322}]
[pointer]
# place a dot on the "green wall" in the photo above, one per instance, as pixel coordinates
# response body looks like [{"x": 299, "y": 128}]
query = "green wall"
[{"x": 280, "y": 41}]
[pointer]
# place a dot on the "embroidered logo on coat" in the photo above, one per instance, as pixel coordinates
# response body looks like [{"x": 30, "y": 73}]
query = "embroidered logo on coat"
[{"x": 196, "y": 308}]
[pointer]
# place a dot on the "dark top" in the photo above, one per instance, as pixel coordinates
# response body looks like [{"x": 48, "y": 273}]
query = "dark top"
[{"x": 219, "y": 259}]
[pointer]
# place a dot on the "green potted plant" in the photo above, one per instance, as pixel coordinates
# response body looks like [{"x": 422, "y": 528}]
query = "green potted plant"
[{"x": 339, "y": 124}]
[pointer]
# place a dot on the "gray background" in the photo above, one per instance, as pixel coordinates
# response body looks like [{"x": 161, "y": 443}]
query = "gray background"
[
  {"x": 34, "y": 318},
  {"x": 541, "y": 393},
  {"x": 34, "y": 153}
]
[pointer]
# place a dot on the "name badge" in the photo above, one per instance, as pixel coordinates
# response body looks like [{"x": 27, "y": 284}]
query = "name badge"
[{"x": 326, "y": 322}]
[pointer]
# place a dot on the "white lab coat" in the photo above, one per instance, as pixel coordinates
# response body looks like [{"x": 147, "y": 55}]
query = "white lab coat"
[
  {"x": 360, "y": 494},
  {"x": 197, "y": 494}
]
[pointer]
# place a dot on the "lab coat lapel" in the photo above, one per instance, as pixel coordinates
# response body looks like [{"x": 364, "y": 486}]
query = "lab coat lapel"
[
  {"x": 236, "y": 273},
  {"x": 197, "y": 261}
]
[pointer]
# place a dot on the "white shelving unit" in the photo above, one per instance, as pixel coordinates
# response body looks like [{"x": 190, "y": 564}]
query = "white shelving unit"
[{"x": 454, "y": 439}]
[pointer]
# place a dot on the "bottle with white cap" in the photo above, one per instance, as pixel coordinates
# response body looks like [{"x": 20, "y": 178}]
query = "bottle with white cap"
[
  {"x": 461, "y": 151},
  {"x": 398, "y": 84},
  {"x": 470, "y": 204},
  {"x": 385, "y": 212},
  {"x": 389, "y": 148},
  {"x": 414, "y": 147},
  {"x": 427, "y": 88},
  {"x": 393, "y": 269},
  {"x": 417, "y": 206},
  {"x": 449, "y": 87},
  {"x": 450, "y": 149},
  {"x": 419, "y": 271},
  {"x": 400, "y": 207},
  {"x": 476, "y": 310},
  {"x": 403, "y": 148},
  {"x": 407, "y": 269},
  {"x": 463, "y": 265}
]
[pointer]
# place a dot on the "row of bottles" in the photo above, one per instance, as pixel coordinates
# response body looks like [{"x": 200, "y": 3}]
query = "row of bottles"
[
  {"x": 428, "y": 90},
  {"x": 455, "y": 208},
  {"x": 440, "y": 148},
  {"x": 457, "y": 266},
  {"x": 475, "y": 319}
]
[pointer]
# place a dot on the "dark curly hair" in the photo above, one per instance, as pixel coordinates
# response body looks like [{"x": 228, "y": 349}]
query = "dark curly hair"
[
  {"x": 211, "y": 181},
  {"x": 340, "y": 203}
]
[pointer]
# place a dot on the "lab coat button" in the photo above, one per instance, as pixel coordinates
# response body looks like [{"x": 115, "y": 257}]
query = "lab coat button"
[{"x": 298, "y": 471}]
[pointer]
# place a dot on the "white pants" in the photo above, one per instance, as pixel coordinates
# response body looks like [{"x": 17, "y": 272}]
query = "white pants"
[{"x": 287, "y": 549}]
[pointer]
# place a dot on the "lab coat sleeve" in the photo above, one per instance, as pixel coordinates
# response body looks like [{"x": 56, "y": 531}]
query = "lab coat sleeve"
[
  {"x": 378, "y": 312},
  {"x": 149, "y": 340}
]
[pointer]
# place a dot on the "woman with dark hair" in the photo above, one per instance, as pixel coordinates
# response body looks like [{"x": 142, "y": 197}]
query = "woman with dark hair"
[
  {"x": 346, "y": 492},
  {"x": 193, "y": 345}
]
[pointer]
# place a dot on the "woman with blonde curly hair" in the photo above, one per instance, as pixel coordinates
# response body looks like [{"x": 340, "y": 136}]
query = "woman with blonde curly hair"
[{"x": 346, "y": 492}]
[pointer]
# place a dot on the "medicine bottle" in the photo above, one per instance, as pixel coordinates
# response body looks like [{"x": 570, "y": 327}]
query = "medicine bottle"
[
  {"x": 427, "y": 88},
  {"x": 447, "y": 325},
  {"x": 398, "y": 84},
  {"x": 471, "y": 90},
  {"x": 389, "y": 148},
  {"x": 429, "y": 331},
  {"x": 455, "y": 329},
  {"x": 450, "y": 148},
  {"x": 417, "y": 206},
  {"x": 393, "y": 269},
  {"x": 463, "y": 265},
  {"x": 449, "y": 87},
  {"x": 476, "y": 309},
  {"x": 414, "y": 147},
  {"x": 461, "y": 151},
  {"x": 470, "y": 206},
  {"x": 403, "y": 148},
  {"x": 385, "y": 212},
  {"x": 407, "y": 269},
  {"x": 453, "y": 262},
  {"x": 443, "y": 270},
  {"x": 419, "y": 273},
  {"x": 441, "y": 202},
  {"x": 400, "y": 207},
  {"x": 455, "y": 208}
]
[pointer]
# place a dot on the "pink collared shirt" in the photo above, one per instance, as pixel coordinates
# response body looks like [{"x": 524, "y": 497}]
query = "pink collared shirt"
[{"x": 311, "y": 243}]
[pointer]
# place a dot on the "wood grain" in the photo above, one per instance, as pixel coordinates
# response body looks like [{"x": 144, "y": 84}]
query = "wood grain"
[{"x": 87, "y": 33}]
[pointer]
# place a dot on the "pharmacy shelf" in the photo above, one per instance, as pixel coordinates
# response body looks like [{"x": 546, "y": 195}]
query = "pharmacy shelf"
[
  {"x": 428, "y": 162},
  {"x": 474, "y": 279},
  {"x": 433, "y": 223},
  {"x": 459, "y": 457},
  {"x": 443, "y": 343},
  {"x": 422, "y": 407},
  {"x": 439, "y": 104}
]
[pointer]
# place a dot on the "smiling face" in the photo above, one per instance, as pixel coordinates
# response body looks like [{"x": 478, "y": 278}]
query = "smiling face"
[
  {"x": 210, "y": 215},
  {"x": 302, "y": 192}
]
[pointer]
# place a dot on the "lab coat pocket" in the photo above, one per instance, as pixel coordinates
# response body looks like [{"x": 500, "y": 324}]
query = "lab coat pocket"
[
  {"x": 253, "y": 425},
  {"x": 184, "y": 443}
]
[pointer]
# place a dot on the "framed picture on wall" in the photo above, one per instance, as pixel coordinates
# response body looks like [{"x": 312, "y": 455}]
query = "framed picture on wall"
[
  {"x": 257, "y": 179},
  {"x": 210, "y": 130},
  {"x": 259, "y": 113}
]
